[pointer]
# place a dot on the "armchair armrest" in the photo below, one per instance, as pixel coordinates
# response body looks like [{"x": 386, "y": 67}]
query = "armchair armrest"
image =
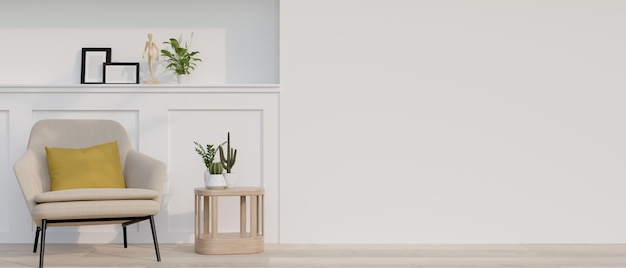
[
  {"x": 142, "y": 171},
  {"x": 28, "y": 172}
]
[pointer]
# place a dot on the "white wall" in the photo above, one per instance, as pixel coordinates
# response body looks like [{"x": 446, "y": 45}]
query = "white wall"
[
  {"x": 476, "y": 121},
  {"x": 237, "y": 39},
  {"x": 431, "y": 121}
]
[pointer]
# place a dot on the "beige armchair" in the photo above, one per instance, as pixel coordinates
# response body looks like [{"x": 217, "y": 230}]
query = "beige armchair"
[{"x": 139, "y": 201}]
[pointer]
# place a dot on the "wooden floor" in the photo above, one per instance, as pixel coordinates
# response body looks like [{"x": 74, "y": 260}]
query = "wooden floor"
[{"x": 441, "y": 256}]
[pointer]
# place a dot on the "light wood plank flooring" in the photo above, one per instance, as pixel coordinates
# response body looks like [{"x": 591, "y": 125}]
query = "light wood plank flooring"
[{"x": 440, "y": 256}]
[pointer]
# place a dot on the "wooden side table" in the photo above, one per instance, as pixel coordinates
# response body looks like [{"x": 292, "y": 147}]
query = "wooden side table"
[{"x": 210, "y": 241}]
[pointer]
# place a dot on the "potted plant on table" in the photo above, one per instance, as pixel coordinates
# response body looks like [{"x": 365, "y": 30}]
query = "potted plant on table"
[
  {"x": 228, "y": 161},
  {"x": 180, "y": 60},
  {"x": 213, "y": 178}
]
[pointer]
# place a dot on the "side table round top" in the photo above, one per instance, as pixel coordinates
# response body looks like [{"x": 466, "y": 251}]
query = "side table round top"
[{"x": 237, "y": 191}]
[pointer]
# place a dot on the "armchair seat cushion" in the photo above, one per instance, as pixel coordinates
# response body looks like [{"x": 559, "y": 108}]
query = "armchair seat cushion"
[
  {"x": 96, "y": 194},
  {"x": 94, "y": 209}
]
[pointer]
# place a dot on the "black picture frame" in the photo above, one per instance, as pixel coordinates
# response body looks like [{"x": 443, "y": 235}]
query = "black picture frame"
[
  {"x": 121, "y": 72},
  {"x": 92, "y": 71}
]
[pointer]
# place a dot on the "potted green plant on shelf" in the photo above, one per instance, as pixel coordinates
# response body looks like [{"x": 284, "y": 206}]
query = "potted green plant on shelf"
[
  {"x": 228, "y": 161},
  {"x": 180, "y": 60},
  {"x": 213, "y": 178}
]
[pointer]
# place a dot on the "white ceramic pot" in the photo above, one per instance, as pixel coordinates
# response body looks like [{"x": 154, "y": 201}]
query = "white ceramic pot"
[
  {"x": 231, "y": 180},
  {"x": 214, "y": 181},
  {"x": 182, "y": 78}
]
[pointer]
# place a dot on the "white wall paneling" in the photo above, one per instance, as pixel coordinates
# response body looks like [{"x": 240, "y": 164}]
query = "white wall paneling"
[
  {"x": 5, "y": 169},
  {"x": 162, "y": 121}
]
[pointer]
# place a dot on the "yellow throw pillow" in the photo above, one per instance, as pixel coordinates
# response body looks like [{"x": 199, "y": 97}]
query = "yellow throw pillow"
[{"x": 93, "y": 167}]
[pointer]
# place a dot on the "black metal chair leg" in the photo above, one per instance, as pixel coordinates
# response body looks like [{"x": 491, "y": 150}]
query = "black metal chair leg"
[
  {"x": 36, "y": 239},
  {"x": 44, "y": 224},
  {"x": 154, "y": 238},
  {"x": 125, "y": 237}
]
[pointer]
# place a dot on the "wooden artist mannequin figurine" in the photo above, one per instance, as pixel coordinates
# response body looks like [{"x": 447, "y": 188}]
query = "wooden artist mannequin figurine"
[{"x": 149, "y": 48}]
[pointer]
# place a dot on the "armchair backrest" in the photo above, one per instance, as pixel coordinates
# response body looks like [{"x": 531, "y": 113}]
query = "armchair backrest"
[{"x": 75, "y": 133}]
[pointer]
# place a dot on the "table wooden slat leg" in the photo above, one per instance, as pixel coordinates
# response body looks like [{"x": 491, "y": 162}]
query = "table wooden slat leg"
[
  {"x": 213, "y": 216},
  {"x": 253, "y": 217},
  {"x": 262, "y": 197},
  {"x": 206, "y": 214},
  {"x": 242, "y": 215},
  {"x": 196, "y": 223}
]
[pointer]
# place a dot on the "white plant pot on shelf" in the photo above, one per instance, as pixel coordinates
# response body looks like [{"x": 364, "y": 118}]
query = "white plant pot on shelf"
[
  {"x": 231, "y": 180},
  {"x": 182, "y": 78},
  {"x": 214, "y": 181}
]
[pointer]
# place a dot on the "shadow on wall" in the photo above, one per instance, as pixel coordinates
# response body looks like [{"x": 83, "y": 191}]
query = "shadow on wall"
[{"x": 163, "y": 75}]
